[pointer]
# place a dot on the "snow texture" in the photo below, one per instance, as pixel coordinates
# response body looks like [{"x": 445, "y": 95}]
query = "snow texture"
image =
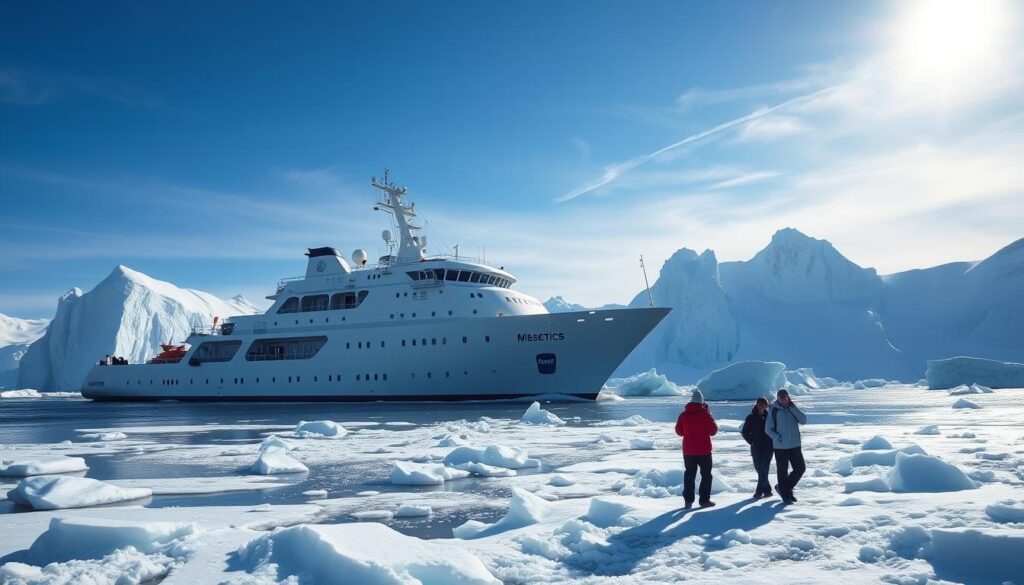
[
  {"x": 128, "y": 314},
  {"x": 49, "y": 492}
]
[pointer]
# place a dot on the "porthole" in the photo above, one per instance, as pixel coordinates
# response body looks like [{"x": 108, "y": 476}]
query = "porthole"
[
  {"x": 429, "y": 375},
  {"x": 358, "y": 377},
  {"x": 464, "y": 339},
  {"x": 449, "y": 313},
  {"x": 487, "y": 338},
  {"x": 375, "y": 377},
  {"x": 403, "y": 343}
]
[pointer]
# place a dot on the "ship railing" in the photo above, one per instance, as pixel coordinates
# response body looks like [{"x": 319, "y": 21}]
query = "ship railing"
[{"x": 284, "y": 282}]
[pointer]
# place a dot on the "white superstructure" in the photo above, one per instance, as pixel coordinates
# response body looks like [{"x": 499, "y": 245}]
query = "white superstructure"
[{"x": 412, "y": 326}]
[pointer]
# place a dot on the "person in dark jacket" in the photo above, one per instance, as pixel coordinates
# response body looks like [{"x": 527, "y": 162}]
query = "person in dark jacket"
[
  {"x": 696, "y": 426},
  {"x": 761, "y": 449}
]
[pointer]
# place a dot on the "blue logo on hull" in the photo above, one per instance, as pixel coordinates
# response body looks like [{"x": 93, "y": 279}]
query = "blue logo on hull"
[{"x": 546, "y": 363}]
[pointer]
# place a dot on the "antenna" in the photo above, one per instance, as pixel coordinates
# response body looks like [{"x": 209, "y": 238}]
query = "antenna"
[{"x": 646, "y": 282}]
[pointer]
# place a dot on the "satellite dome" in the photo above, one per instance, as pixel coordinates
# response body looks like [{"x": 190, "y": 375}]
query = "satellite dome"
[
  {"x": 359, "y": 257},
  {"x": 386, "y": 235}
]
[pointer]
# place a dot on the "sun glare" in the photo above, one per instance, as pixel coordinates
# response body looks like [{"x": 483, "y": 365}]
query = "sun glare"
[{"x": 943, "y": 47}]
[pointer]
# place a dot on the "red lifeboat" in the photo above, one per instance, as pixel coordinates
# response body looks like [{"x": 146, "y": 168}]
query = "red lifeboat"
[{"x": 171, "y": 354}]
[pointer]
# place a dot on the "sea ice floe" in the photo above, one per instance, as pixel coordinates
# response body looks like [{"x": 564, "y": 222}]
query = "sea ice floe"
[
  {"x": 1007, "y": 511},
  {"x": 46, "y": 465},
  {"x": 972, "y": 389},
  {"x": 561, "y": 481},
  {"x": 48, "y": 492},
  {"x": 535, "y": 415},
  {"x": 320, "y": 429},
  {"x": 870, "y": 484},
  {"x": 108, "y": 436},
  {"x": 953, "y": 372},
  {"x": 928, "y": 430},
  {"x": 322, "y": 553},
  {"x": 372, "y": 515},
  {"x": 408, "y": 473},
  {"x": 493, "y": 455},
  {"x": 412, "y": 511}
]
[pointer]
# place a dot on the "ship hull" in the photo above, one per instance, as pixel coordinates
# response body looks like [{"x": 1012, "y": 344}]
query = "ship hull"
[{"x": 442, "y": 359}]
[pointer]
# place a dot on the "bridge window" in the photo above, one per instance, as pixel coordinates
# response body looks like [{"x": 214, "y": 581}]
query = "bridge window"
[
  {"x": 347, "y": 300},
  {"x": 475, "y": 277},
  {"x": 290, "y": 306},
  {"x": 465, "y": 275},
  {"x": 452, "y": 275},
  {"x": 314, "y": 303}
]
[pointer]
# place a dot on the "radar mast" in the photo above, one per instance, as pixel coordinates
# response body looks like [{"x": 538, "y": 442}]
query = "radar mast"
[{"x": 410, "y": 246}]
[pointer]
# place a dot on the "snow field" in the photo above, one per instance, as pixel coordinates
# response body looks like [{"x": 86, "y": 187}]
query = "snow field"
[{"x": 589, "y": 511}]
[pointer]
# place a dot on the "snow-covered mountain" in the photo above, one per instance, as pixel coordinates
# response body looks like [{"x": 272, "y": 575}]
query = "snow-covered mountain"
[
  {"x": 128, "y": 314},
  {"x": 801, "y": 302},
  {"x": 559, "y": 305},
  {"x": 15, "y": 337}
]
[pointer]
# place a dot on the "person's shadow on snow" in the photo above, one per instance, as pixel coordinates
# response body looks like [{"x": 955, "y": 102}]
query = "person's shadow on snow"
[{"x": 625, "y": 550}]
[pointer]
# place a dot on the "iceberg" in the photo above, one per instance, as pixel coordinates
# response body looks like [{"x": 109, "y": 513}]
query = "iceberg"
[
  {"x": 128, "y": 314},
  {"x": 15, "y": 337},
  {"x": 743, "y": 380},
  {"x": 953, "y": 372},
  {"x": 649, "y": 383}
]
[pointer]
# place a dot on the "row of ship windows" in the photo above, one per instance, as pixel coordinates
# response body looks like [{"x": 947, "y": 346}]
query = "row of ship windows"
[
  {"x": 323, "y": 302},
  {"x": 288, "y": 348},
  {"x": 471, "y": 276},
  {"x": 378, "y": 377}
]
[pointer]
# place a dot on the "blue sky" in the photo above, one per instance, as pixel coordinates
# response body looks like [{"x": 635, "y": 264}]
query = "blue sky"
[{"x": 210, "y": 143}]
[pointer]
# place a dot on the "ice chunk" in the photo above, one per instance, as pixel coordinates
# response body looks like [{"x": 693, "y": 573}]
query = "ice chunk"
[
  {"x": 952, "y": 372},
  {"x": 928, "y": 430},
  {"x": 866, "y": 458},
  {"x": 1009, "y": 511},
  {"x": 743, "y": 380},
  {"x": 406, "y": 473},
  {"x": 605, "y": 512},
  {"x": 876, "y": 442},
  {"x": 649, "y": 383},
  {"x": 320, "y": 428},
  {"x": 965, "y": 403},
  {"x": 41, "y": 466},
  {"x": 494, "y": 455},
  {"x": 76, "y": 537},
  {"x": 924, "y": 473},
  {"x": 371, "y": 515},
  {"x": 524, "y": 509},
  {"x": 109, "y": 436},
  {"x": 273, "y": 458},
  {"x": 639, "y": 443},
  {"x": 315, "y": 493},
  {"x": 535, "y": 415},
  {"x": 663, "y": 483},
  {"x": 561, "y": 481},
  {"x": 25, "y": 393},
  {"x": 368, "y": 554},
  {"x": 802, "y": 377},
  {"x": 871, "y": 484},
  {"x": 630, "y": 421},
  {"x": 972, "y": 389},
  {"x": 48, "y": 492},
  {"x": 413, "y": 511}
]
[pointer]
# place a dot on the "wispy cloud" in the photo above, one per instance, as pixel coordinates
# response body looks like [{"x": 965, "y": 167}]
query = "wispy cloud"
[
  {"x": 771, "y": 128},
  {"x": 36, "y": 88},
  {"x": 613, "y": 172}
]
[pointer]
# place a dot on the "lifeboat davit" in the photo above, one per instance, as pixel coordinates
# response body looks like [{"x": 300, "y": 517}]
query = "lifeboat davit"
[{"x": 171, "y": 354}]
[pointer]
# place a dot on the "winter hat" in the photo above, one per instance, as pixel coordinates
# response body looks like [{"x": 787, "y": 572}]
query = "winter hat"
[{"x": 697, "y": 397}]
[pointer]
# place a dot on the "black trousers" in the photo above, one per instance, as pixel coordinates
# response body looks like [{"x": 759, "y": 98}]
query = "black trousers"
[
  {"x": 691, "y": 463},
  {"x": 784, "y": 458},
  {"x": 762, "y": 457}
]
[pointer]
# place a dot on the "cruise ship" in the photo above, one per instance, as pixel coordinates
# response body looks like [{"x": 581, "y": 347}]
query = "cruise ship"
[{"x": 412, "y": 326}]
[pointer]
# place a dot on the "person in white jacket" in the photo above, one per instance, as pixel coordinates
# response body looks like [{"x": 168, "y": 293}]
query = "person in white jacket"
[{"x": 783, "y": 426}]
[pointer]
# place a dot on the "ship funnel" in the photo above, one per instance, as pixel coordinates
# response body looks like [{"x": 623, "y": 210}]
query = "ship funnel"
[{"x": 325, "y": 261}]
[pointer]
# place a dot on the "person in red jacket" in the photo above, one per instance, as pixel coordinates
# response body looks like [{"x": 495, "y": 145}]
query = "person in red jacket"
[{"x": 696, "y": 426}]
